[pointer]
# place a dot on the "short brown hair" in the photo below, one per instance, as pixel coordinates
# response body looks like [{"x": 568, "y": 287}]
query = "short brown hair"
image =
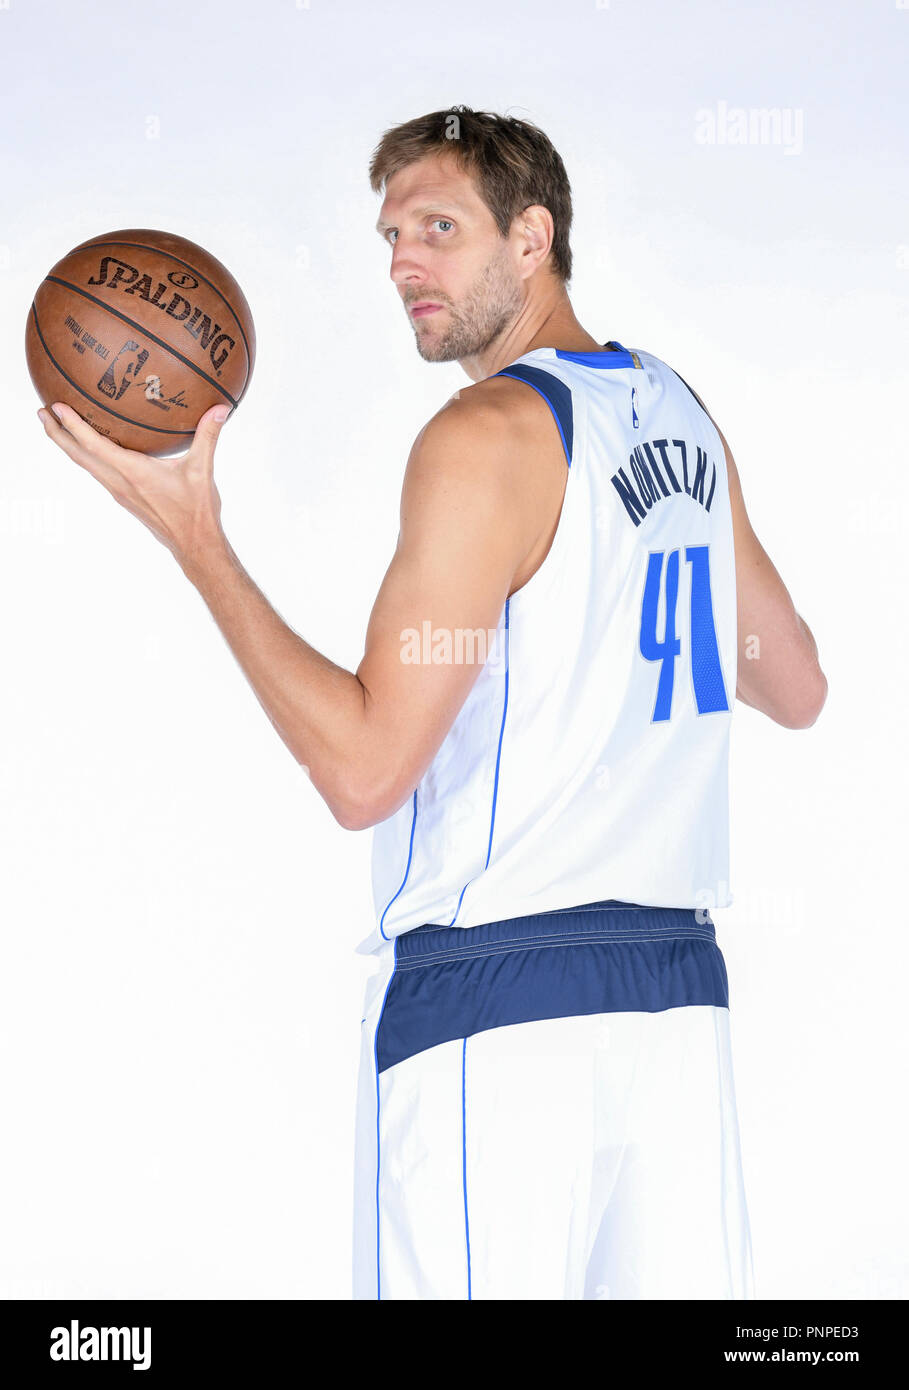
[{"x": 512, "y": 163}]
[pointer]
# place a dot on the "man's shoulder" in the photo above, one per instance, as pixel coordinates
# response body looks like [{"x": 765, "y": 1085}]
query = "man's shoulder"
[
  {"x": 496, "y": 414},
  {"x": 495, "y": 395},
  {"x": 491, "y": 445}
]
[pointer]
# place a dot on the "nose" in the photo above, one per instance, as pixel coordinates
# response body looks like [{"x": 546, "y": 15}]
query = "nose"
[{"x": 406, "y": 268}]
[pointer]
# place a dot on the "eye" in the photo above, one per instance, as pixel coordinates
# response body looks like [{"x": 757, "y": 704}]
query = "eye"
[{"x": 445, "y": 223}]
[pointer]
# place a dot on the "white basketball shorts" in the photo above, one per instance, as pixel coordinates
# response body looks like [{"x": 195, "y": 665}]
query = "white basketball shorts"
[{"x": 546, "y": 1110}]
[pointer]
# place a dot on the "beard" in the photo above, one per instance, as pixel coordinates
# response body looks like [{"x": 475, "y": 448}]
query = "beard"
[{"x": 492, "y": 303}]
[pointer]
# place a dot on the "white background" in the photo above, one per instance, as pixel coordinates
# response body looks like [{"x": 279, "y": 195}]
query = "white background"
[{"x": 179, "y": 994}]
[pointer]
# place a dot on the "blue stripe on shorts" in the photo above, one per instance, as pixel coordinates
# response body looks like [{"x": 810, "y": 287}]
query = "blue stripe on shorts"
[{"x": 606, "y": 957}]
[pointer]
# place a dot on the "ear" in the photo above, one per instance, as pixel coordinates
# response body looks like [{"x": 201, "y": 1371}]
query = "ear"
[{"x": 536, "y": 230}]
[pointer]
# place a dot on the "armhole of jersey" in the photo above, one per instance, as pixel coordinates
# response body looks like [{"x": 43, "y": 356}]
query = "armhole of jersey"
[
  {"x": 710, "y": 421},
  {"x": 556, "y": 395},
  {"x": 694, "y": 393}
]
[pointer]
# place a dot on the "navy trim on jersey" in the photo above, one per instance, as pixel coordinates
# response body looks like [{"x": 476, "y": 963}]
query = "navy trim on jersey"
[
  {"x": 554, "y": 392},
  {"x": 618, "y": 357},
  {"x": 606, "y": 957},
  {"x": 693, "y": 392}
]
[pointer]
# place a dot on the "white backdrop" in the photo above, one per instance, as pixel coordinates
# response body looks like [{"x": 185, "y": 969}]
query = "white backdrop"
[{"x": 179, "y": 994}]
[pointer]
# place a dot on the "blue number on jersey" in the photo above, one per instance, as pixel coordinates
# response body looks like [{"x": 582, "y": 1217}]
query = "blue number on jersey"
[{"x": 706, "y": 672}]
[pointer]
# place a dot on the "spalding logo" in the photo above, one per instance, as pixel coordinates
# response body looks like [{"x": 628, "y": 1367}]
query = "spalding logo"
[{"x": 116, "y": 274}]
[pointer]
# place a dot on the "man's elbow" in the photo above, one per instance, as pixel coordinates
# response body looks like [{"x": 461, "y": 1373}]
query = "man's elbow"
[
  {"x": 806, "y": 713},
  {"x": 353, "y": 812},
  {"x": 786, "y": 705},
  {"x": 820, "y": 701},
  {"x": 344, "y": 799},
  {"x": 363, "y": 805},
  {"x": 346, "y": 816}
]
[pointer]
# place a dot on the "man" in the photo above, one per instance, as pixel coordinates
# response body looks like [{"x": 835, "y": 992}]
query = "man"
[{"x": 538, "y": 730}]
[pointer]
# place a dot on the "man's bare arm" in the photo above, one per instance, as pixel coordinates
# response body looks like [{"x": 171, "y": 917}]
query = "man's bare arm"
[
  {"x": 778, "y": 668},
  {"x": 470, "y": 516},
  {"x": 316, "y": 706}
]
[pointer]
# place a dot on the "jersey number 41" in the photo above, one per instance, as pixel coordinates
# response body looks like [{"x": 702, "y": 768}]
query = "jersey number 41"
[{"x": 706, "y": 671}]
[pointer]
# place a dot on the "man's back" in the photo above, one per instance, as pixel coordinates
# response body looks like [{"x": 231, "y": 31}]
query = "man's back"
[
  {"x": 546, "y": 1049},
  {"x": 589, "y": 760}
]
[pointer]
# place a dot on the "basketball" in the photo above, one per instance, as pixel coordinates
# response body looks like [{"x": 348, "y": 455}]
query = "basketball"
[{"x": 140, "y": 332}]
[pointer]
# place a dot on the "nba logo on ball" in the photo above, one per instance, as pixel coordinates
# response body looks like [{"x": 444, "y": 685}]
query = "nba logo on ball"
[{"x": 141, "y": 332}]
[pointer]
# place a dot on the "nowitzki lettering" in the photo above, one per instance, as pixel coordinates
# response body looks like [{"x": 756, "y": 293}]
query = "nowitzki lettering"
[
  {"x": 75, "y": 1343},
  {"x": 115, "y": 274},
  {"x": 653, "y": 480}
]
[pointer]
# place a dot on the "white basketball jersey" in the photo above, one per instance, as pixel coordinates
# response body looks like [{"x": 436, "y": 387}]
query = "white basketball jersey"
[{"x": 590, "y": 759}]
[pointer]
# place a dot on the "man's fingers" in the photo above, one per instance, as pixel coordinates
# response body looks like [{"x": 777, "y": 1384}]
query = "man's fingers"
[
  {"x": 88, "y": 458},
  {"x": 72, "y": 423}
]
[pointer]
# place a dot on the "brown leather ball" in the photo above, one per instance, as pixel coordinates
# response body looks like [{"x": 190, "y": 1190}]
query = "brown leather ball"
[{"x": 140, "y": 332}]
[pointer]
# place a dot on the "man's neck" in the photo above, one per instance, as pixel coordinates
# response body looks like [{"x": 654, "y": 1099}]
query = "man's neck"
[{"x": 549, "y": 322}]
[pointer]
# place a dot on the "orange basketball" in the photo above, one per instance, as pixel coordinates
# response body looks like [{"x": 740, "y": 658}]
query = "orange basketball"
[{"x": 140, "y": 332}]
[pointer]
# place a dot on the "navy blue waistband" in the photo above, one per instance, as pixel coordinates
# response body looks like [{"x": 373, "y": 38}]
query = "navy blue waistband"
[
  {"x": 454, "y": 982},
  {"x": 609, "y": 920}
]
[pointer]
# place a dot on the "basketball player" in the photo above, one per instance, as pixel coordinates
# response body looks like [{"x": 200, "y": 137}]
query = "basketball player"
[{"x": 539, "y": 733}]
